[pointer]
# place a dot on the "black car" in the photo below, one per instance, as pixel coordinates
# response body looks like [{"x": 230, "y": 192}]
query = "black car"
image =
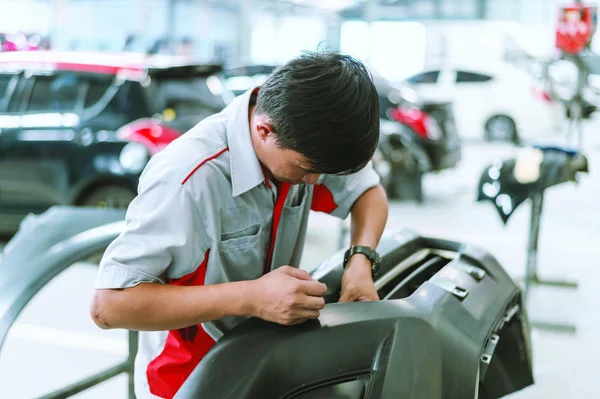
[
  {"x": 77, "y": 129},
  {"x": 431, "y": 123}
]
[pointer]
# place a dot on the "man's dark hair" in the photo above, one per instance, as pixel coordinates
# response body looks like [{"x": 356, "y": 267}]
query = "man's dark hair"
[{"x": 324, "y": 106}]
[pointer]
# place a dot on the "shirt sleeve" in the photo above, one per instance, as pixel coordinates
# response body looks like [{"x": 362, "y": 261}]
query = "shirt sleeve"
[
  {"x": 336, "y": 194},
  {"x": 163, "y": 230}
]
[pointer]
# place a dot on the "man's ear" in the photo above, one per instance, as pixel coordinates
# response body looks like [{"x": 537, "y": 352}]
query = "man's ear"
[{"x": 264, "y": 129}]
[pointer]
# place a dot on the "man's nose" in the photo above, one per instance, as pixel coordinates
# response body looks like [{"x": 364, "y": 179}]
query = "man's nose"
[{"x": 311, "y": 178}]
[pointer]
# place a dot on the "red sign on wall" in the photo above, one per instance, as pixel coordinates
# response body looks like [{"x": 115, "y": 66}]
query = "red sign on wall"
[{"x": 576, "y": 26}]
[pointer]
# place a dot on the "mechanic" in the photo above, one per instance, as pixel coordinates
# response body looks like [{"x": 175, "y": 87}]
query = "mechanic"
[{"x": 216, "y": 232}]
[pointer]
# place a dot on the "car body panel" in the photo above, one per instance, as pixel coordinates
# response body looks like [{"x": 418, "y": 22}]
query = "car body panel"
[
  {"x": 506, "y": 186},
  {"x": 45, "y": 245}
]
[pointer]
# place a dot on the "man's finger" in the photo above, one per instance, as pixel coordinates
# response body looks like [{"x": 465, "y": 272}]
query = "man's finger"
[
  {"x": 312, "y": 303},
  {"x": 307, "y": 314},
  {"x": 344, "y": 298},
  {"x": 298, "y": 321},
  {"x": 313, "y": 288},
  {"x": 297, "y": 273}
]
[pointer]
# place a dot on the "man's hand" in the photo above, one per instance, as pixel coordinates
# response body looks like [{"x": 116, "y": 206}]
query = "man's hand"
[
  {"x": 357, "y": 282},
  {"x": 287, "y": 296}
]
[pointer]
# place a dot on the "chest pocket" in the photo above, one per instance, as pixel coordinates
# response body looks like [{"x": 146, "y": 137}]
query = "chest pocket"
[
  {"x": 242, "y": 245},
  {"x": 241, "y": 237}
]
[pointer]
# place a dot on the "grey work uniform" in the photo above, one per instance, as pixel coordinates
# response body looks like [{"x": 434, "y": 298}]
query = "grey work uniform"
[{"x": 205, "y": 214}]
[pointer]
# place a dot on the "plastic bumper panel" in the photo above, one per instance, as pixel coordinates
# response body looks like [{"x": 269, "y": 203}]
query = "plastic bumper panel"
[{"x": 452, "y": 325}]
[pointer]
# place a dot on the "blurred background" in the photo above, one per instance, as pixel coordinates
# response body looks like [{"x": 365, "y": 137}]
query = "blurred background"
[{"x": 91, "y": 89}]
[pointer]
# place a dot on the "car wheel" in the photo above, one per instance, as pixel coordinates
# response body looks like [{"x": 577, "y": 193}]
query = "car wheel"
[
  {"x": 111, "y": 196},
  {"x": 501, "y": 128},
  {"x": 407, "y": 186}
]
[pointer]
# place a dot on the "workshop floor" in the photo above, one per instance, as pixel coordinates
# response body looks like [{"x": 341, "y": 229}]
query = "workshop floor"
[{"x": 55, "y": 342}]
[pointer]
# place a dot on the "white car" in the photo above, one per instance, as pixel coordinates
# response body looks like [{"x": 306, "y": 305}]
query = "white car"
[{"x": 494, "y": 102}]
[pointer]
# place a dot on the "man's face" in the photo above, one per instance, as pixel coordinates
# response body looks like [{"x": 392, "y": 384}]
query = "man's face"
[
  {"x": 282, "y": 164},
  {"x": 287, "y": 165}
]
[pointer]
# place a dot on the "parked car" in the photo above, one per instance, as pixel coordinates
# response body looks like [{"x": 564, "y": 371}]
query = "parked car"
[
  {"x": 430, "y": 122},
  {"x": 494, "y": 102},
  {"x": 78, "y": 128}
]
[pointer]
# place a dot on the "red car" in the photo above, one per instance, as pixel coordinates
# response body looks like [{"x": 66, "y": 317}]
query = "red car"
[{"x": 78, "y": 128}]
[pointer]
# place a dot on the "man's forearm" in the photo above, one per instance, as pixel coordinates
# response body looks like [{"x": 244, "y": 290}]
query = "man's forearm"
[
  {"x": 369, "y": 216},
  {"x": 157, "y": 307}
]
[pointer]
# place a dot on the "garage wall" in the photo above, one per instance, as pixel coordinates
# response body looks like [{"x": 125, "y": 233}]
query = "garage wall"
[
  {"x": 104, "y": 24},
  {"x": 214, "y": 29},
  {"x": 533, "y": 12},
  {"x": 26, "y": 15}
]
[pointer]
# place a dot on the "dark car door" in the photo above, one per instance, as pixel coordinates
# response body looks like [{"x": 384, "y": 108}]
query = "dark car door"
[{"x": 38, "y": 143}]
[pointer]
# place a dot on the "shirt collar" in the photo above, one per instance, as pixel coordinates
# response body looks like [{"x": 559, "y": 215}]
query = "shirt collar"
[{"x": 246, "y": 172}]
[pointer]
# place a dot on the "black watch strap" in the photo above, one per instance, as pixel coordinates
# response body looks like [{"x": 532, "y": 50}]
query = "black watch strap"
[{"x": 368, "y": 252}]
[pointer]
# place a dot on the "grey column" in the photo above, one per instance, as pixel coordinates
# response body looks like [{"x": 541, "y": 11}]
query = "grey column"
[
  {"x": 334, "y": 31},
  {"x": 59, "y": 33},
  {"x": 244, "y": 32},
  {"x": 171, "y": 24}
]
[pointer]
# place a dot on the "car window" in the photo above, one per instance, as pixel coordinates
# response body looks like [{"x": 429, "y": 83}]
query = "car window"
[
  {"x": 6, "y": 90},
  {"x": 470, "y": 77},
  {"x": 95, "y": 90},
  {"x": 54, "y": 93},
  {"x": 128, "y": 103},
  {"x": 4, "y": 83},
  {"x": 191, "y": 99},
  {"x": 385, "y": 105},
  {"x": 425, "y": 77},
  {"x": 131, "y": 101},
  {"x": 199, "y": 92}
]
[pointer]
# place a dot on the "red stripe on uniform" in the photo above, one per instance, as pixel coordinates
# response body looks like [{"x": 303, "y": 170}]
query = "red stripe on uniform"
[
  {"x": 282, "y": 192},
  {"x": 184, "y": 348},
  {"x": 203, "y": 162},
  {"x": 322, "y": 200}
]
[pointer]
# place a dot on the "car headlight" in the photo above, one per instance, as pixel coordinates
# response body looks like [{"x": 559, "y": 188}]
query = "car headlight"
[{"x": 134, "y": 157}]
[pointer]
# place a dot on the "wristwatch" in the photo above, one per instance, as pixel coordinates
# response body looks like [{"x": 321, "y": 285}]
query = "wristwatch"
[{"x": 370, "y": 253}]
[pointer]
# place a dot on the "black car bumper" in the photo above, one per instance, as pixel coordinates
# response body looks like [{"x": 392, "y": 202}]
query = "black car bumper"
[{"x": 452, "y": 325}]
